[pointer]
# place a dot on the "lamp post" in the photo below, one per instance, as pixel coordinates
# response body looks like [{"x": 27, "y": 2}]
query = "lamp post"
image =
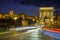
[{"x": 15, "y": 19}]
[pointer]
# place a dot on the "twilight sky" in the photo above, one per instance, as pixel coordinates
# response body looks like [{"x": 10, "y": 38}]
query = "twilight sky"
[{"x": 30, "y": 7}]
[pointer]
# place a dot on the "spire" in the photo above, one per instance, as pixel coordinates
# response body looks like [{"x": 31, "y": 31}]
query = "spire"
[{"x": 11, "y": 13}]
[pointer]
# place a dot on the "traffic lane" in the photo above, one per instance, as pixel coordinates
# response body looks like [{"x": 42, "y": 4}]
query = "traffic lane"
[
  {"x": 11, "y": 34},
  {"x": 38, "y": 35},
  {"x": 35, "y": 35},
  {"x": 21, "y": 28},
  {"x": 16, "y": 33}
]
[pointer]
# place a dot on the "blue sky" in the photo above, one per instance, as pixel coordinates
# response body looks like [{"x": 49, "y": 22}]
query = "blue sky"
[
  {"x": 30, "y": 7},
  {"x": 5, "y": 7}
]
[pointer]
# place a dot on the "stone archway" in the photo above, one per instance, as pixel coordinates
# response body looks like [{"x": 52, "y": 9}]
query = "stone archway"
[{"x": 48, "y": 12}]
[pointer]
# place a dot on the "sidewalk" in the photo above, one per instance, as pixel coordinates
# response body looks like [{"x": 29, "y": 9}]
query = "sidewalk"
[
  {"x": 4, "y": 32},
  {"x": 53, "y": 32}
]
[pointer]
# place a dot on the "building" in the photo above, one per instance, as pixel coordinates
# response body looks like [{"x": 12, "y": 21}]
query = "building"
[{"x": 11, "y": 13}]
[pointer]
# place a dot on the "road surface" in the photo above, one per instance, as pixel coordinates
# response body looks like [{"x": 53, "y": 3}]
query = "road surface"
[{"x": 34, "y": 34}]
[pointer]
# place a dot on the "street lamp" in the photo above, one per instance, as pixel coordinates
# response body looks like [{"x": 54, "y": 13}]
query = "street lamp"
[
  {"x": 33, "y": 19},
  {"x": 15, "y": 18}
]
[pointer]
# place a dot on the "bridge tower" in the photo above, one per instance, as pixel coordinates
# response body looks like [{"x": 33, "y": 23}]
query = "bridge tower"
[{"x": 46, "y": 14}]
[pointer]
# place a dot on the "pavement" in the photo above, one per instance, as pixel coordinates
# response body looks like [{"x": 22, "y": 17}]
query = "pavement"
[
  {"x": 33, "y": 34},
  {"x": 4, "y": 32}
]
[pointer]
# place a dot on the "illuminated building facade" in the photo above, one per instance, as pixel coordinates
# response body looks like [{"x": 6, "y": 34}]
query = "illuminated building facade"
[{"x": 46, "y": 14}]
